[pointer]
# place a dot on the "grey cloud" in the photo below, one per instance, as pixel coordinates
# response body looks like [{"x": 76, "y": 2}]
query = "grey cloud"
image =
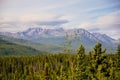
[
  {"x": 19, "y": 26},
  {"x": 51, "y": 23},
  {"x": 112, "y": 26},
  {"x": 94, "y": 29},
  {"x": 115, "y": 26}
]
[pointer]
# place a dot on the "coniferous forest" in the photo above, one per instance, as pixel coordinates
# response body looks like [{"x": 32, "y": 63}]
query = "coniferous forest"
[{"x": 95, "y": 65}]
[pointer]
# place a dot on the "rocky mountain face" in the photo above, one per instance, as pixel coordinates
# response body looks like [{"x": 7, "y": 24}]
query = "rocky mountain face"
[{"x": 58, "y": 35}]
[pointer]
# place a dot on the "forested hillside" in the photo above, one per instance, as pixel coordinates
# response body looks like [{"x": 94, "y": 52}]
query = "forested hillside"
[
  {"x": 8, "y": 48},
  {"x": 51, "y": 48},
  {"x": 96, "y": 65}
]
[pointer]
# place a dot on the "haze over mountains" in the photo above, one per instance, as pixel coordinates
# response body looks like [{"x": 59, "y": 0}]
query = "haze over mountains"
[
  {"x": 57, "y": 36},
  {"x": 36, "y": 33}
]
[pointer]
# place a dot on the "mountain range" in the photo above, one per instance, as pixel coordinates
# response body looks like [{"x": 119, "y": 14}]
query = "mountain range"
[{"x": 59, "y": 37}]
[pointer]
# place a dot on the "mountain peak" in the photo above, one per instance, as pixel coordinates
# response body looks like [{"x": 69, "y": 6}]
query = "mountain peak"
[{"x": 48, "y": 32}]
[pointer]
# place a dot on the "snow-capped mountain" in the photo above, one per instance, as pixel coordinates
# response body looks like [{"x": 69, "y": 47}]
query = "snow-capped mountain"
[
  {"x": 42, "y": 32},
  {"x": 82, "y": 33},
  {"x": 58, "y": 35},
  {"x": 104, "y": 38}
]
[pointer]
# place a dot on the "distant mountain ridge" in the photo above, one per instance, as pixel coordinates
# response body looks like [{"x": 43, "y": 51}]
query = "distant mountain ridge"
[
  {"x": 57, "y": 37},
  {"x": 104, "y": 38},
  {"x": 34, "y": 33}
]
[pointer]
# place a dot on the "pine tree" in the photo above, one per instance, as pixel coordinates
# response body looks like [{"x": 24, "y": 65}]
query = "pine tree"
[
  {"x": 80, "y": 62},
  {"x": 98, "y": 63}
]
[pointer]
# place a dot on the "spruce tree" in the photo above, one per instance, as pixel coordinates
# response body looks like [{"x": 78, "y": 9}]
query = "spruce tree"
[
  {"x": 80, "y": 62},
  {"x": 98, "y": 63}
]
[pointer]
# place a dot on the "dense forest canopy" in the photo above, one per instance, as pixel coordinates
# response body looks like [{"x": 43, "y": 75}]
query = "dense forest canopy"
[{"x": 96, "y": 65}]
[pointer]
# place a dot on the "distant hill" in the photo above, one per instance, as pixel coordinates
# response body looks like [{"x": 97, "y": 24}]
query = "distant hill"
[
  {"x": 48, "y": 48},
  {"x": 7, "y": 48}
]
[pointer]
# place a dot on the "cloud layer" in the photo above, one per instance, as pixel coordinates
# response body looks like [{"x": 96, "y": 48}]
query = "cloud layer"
[
  {"x": 107, "y": 24},
  {"x": 96, "y": 16}
]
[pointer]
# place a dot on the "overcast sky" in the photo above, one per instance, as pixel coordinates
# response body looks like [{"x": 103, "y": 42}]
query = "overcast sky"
[{"x": 93, "y": 15}]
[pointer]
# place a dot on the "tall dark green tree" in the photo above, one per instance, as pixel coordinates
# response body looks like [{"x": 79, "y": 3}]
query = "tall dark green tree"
[
  {"x": 80, "y": 62},
  {"x": 98, "y": 64},
  {"x": 81, "y": 53}
]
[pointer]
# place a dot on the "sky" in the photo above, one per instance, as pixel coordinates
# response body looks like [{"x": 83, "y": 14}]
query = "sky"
[{"x": 101, "y": 16}]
